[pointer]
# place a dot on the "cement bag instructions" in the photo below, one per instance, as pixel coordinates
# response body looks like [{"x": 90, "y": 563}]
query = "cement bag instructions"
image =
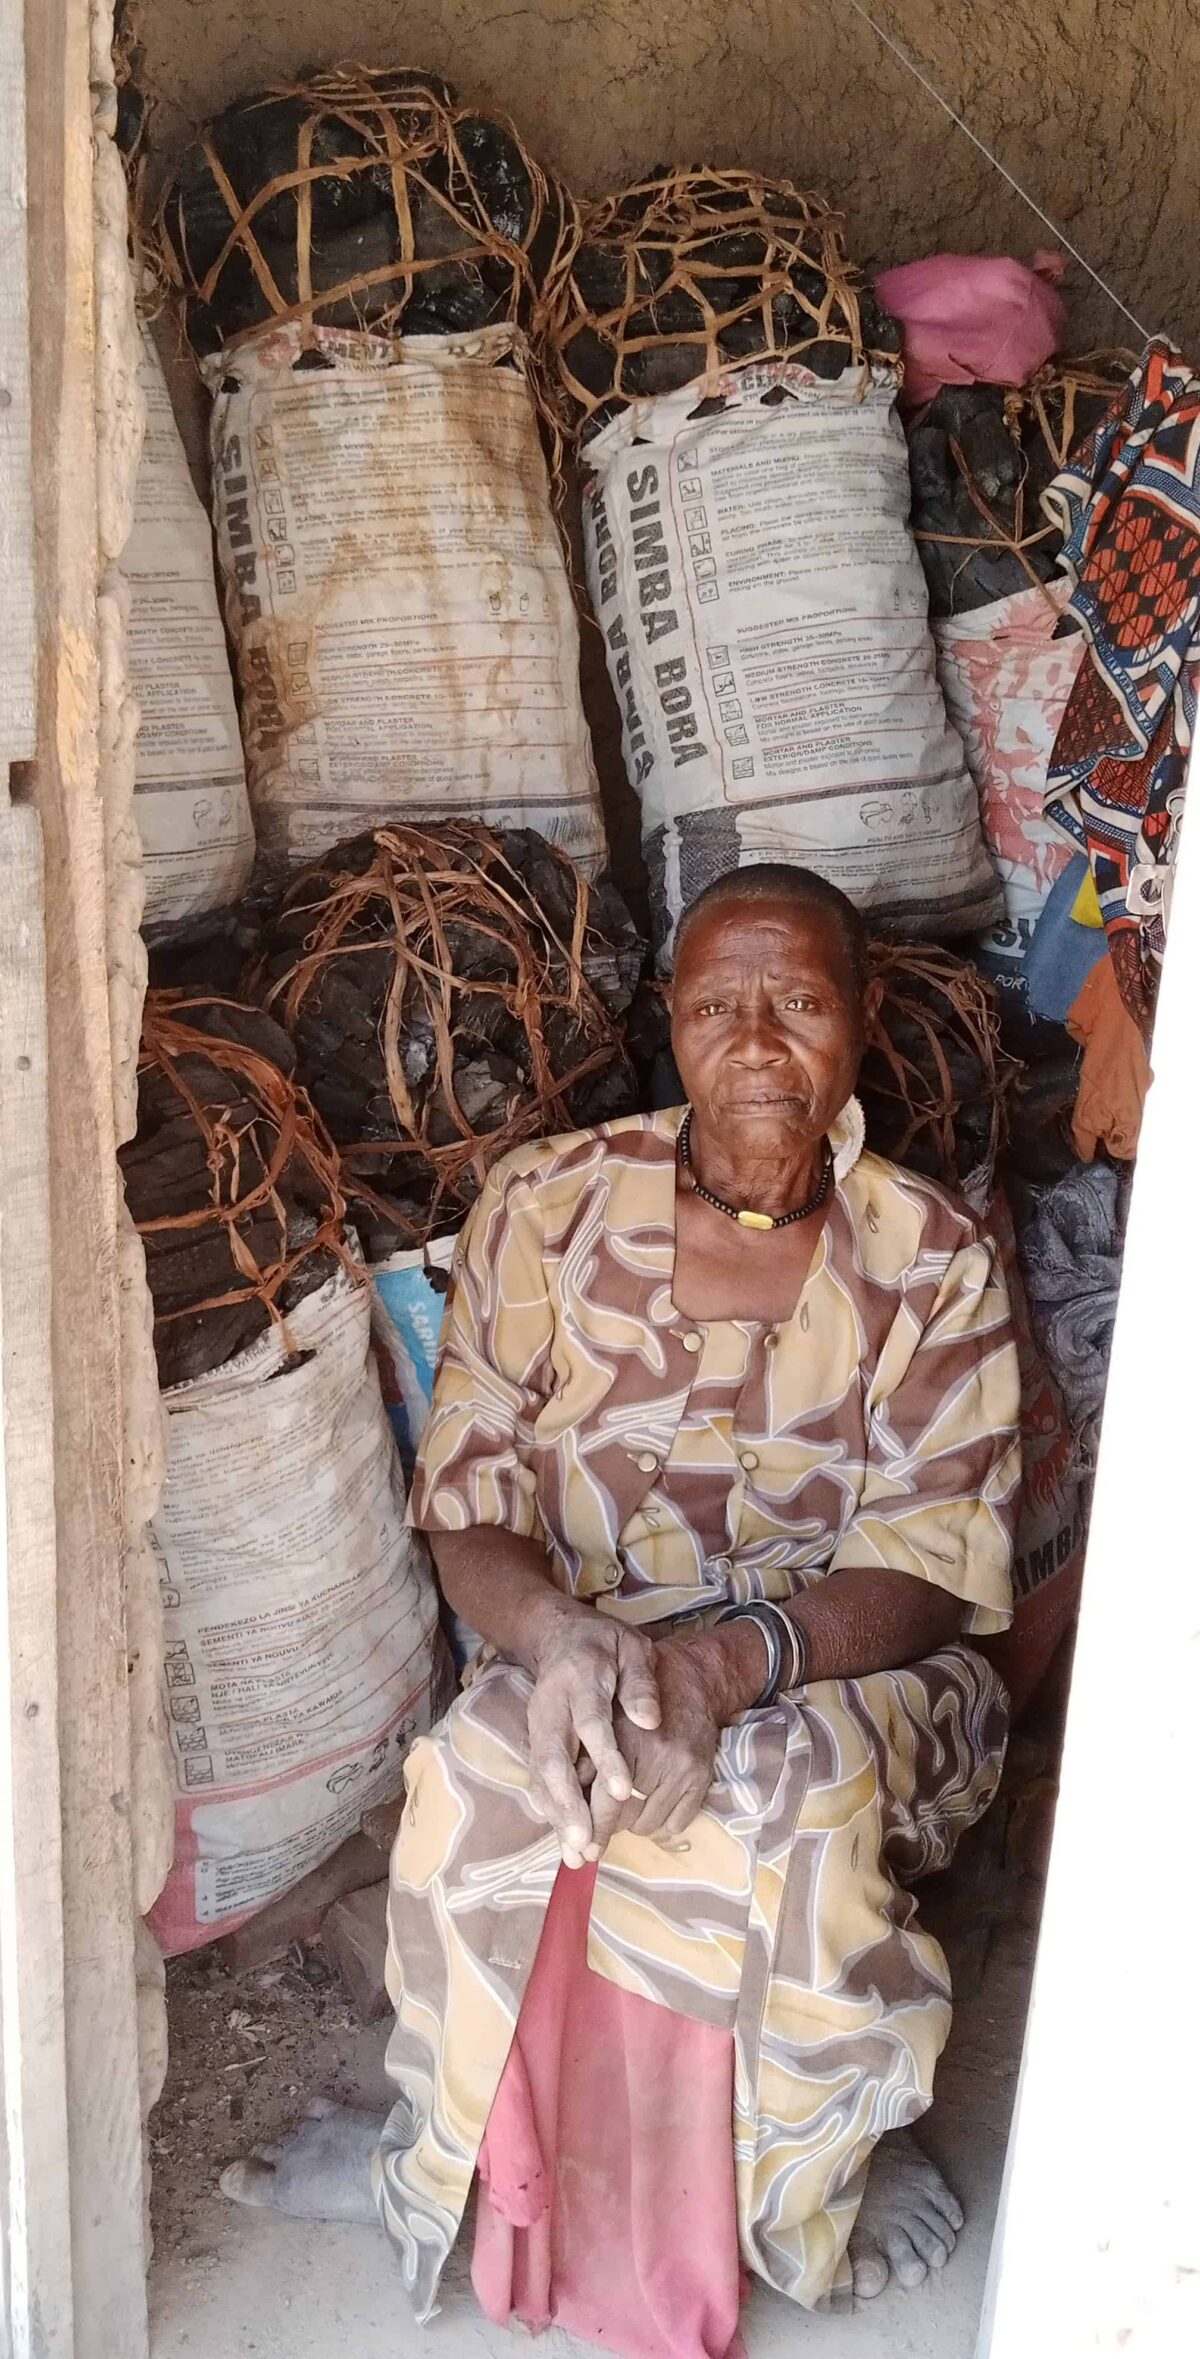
[
  {"x": 190, "y": 800},
  {"x": 396, "y": 589},
  {"x": 300, "y": 1614},
  {"x": 1006, "y": 680},
  {"x": 766, "y": 628}
]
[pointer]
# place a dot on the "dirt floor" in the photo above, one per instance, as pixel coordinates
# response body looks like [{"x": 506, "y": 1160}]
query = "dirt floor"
[{"x": 248, "y": 2051}]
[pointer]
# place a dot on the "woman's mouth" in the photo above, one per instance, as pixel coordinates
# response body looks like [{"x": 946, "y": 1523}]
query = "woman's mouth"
[{"x": 765, "y": 1103}]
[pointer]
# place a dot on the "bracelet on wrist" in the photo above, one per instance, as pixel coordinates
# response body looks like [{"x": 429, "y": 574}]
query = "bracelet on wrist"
[{"x": 787, "y": 1649}]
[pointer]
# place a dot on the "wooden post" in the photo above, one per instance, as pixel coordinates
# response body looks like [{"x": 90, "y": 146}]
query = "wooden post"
[
  {"x": 31, "y": 1915},
  {"x": 102, "y": 2193},
  {"x": 37, "y": 2291},
  {"x": 17, "y": 668}
]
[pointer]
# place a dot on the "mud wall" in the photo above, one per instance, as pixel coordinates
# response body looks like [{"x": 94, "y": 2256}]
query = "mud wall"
[{"x": 1090, "y": 103}]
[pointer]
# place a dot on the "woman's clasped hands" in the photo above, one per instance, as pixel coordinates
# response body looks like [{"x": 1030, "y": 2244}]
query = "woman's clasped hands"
[{"x": 623, "y": 1734}]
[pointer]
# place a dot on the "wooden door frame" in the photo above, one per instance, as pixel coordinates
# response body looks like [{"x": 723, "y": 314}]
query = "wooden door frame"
[
  {"x": 73, "y": 2213},
  {"x": 1090, "y": 2249}
]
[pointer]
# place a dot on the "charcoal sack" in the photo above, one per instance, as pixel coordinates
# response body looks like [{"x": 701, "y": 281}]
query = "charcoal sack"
[
  {"x": 765, "y": 623},
  {"x": 1006, "y": 677},
  {"x": 190, "y": 801},
  {"x": 301, "y": 1651},
  {"x": 231, "y": 1180},
  {"x": 935, "y": 1084},
  {"x": 396, "y": 590},
  {"x": 452, "y": 992},
  {"x": 687, "y": 274},
  {"x": 361, "y": 200},
  {"x": 1055, "y": 1499},
  {"x": 982, "y": 456}
]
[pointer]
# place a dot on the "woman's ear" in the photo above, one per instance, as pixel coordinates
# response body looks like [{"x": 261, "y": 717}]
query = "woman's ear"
[{"x": 872, "y": 1002}]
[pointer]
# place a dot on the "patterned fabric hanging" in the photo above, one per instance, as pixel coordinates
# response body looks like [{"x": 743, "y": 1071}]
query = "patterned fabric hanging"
[{"x": 1129, "y": 507}]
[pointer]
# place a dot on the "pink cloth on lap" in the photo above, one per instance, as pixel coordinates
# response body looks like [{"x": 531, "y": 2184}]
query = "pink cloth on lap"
[{"x": 606, "y": 2195}]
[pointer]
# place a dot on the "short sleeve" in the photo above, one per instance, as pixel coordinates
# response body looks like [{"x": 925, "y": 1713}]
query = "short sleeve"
[
  {"x": 943, "y": 1472},
  {"x": 493, "y": 1371}
]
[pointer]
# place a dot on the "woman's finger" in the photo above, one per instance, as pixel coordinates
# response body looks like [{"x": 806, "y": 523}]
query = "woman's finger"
[
  {"x": 609, "y": 1818},
  {"x": 557, "y": 1795},
  {"x": 659, "y": 1803},
  {"x": 595, "y": 1734},
  {"x": 637, "y": 1687},
  {"x": 686, "y": 1811}
]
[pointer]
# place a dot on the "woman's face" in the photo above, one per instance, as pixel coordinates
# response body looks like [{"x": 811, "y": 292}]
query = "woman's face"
[{"x": 766, "y": 1023}]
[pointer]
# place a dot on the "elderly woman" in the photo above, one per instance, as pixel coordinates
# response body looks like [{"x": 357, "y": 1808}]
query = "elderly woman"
[{"x": 722, "y": 1465}]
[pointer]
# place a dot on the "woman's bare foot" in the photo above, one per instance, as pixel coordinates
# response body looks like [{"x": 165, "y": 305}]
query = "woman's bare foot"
[
  {"x": 320, "y": 2171},
  {"x": 908, "y": 2219}
]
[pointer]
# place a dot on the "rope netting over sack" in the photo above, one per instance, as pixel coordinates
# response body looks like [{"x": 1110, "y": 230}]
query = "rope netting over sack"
[
  {"x": 981, "y": 456},
  {"x": 691, "y": 272},
  {"x": 935, "y": 1082},
  {"x": 232, "y": 1180},
  {"x": 357, "y": 199},
  {"x": 452, "y": 992}
]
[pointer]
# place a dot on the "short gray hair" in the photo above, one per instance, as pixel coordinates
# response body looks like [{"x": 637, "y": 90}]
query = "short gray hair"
[{"x": 803, "y": 888}]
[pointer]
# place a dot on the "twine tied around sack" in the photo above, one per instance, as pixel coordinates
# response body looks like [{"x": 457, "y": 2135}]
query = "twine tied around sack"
[
  {"x": 269, "y": 1159},
  {"x": 397, "y": 137},
  {"x": 452, "y": 920},
  {"x": 727, "y": 267},
  {"x": 1098, "y": 373},
  {"x": 936, "y": 1010}
]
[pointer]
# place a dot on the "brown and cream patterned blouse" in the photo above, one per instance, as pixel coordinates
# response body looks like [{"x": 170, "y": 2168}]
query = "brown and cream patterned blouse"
[{"x": 671, "y": 1465}]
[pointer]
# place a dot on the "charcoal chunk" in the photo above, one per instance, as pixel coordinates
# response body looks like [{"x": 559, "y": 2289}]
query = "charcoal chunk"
[
  {"x": 451, "y": 991},
  {"x": 363, "y": 201}
]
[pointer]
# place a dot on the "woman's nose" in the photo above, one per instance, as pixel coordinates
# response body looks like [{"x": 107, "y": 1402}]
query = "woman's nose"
[{"x": 760, "y": 1043}]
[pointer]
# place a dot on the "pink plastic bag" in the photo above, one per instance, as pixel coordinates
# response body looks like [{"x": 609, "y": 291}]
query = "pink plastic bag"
[{"x": 974, "y": 319}]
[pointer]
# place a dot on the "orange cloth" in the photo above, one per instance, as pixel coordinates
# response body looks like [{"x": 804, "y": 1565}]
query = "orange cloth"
[{"x": 1116, "y": 1068}]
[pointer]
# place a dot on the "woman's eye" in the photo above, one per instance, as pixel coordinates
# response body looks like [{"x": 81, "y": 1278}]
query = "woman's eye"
[
  {"x": 712, "y": 1007},
  {"x": 801, "y": 1001}
]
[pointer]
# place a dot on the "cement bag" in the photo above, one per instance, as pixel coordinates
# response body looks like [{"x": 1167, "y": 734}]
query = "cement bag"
[
  {"x": 190, "y": 799},
  {"x": 1052, "y": 1532},
  {"x": 300, "y": 1614},
  {"x": 766, "y": 627},
  {"x": 409, "y": 1292},
  {"x": 396, "y": 590},
  {"x": 1006, "y": 680}
]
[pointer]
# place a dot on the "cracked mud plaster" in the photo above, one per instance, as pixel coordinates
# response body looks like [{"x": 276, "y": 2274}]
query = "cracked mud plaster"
[{"x": 1087, "y": 102}]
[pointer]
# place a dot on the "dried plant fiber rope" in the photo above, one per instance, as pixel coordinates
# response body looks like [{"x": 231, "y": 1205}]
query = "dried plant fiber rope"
[
  {"x": 688, "y": 273},
  {"x": 360, "y": 199},
  {"x": 935, "y": 1081},
  {"x": 982, "y": 456},
  {"x": 452, "y": 992},
  {"x": 232, "y": 1180}
]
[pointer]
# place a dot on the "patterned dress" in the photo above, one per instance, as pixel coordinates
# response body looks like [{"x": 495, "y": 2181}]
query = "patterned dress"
[{"x": 670, "y": 1466}]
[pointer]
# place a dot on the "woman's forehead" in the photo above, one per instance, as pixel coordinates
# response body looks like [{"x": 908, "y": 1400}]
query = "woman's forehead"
[{"x": 731, "y": 933}]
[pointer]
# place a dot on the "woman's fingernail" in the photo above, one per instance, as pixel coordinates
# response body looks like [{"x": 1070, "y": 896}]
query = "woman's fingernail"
[
  {"x": 619, "y": 1787},
  {"x": 577, "y": 1836},
  {"x": 592, "y": 1851},
  {"x": 570, "y": 1858}
]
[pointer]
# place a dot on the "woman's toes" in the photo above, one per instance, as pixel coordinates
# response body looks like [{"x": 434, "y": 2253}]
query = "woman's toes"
[
  {"x": 929, "y": 2242},
  {"x": 945, "y": 2205},
  {"x": 905, "y": 2262},
  {"x": 870, "y": 2272},
  {"x": 940, "y": 2224},
  {"x": 250, "y": 2182}
]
